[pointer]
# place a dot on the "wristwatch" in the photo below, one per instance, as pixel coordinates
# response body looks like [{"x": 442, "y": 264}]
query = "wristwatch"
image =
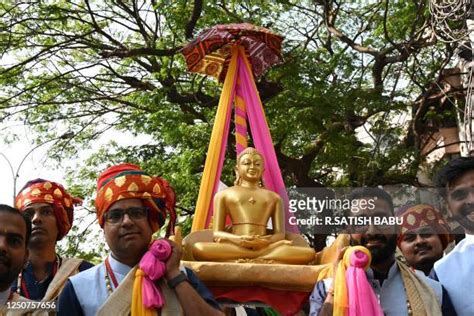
[{"x": 181, "y": 277}]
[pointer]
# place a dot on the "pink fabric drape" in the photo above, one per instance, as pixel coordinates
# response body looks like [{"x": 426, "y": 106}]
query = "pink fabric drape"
[
  {"x": 362, "y": 299},
  {"x": 153, "y": 264},
  {"x": 261, "y": 135},
  {"x": 262, "y": 139}
]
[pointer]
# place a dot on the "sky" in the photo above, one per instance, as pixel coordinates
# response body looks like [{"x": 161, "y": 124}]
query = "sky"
[
  {"x": 32, "y": 168},
  {"x": 36, "y": 163}
]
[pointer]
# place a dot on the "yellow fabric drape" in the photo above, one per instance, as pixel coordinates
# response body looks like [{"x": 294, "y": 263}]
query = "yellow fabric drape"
[
  {"x": 209, "y": 180},
  {"x": 329, "y": 254},
  {"x": 138, "y": 309}
]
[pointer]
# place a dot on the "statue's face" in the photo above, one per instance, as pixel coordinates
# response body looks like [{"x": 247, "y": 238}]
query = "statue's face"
[{"x": 250, "y": 167}]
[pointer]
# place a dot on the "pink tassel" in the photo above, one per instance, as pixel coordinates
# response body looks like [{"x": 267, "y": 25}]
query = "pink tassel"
[
  {"x": 153, "y": 264},
  {"x": 151, "y": 295},
  {"x": 362, "y": 299}
]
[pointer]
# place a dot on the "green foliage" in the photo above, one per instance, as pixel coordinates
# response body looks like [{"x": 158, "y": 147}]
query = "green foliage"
[{"x": 349, "y": 72}]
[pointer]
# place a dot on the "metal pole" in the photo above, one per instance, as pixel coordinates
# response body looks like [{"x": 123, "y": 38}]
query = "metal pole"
[
  {"x": 16, "y": 174},
  {"x": 13, "y": 173}
]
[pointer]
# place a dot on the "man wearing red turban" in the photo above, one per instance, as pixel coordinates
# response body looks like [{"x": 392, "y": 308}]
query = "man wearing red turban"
[
  {"x": 424, "y": 234},
  {"x": 50, "y": 208},
  {"x": 131, "y": 205},
  {"x": 399, "y": 289}
]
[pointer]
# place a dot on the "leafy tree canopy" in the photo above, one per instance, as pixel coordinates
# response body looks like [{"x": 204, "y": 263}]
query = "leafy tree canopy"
[{"x": 350, "y": 70}]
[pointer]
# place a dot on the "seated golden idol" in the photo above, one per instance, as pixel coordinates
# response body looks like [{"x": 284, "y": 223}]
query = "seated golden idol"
[{"x": 249, "y": 207}]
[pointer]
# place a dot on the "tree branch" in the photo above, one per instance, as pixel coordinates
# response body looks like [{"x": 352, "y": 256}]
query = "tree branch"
[
  {"x": 134, "y": 52},
  {"x": 194, "y": 17}
]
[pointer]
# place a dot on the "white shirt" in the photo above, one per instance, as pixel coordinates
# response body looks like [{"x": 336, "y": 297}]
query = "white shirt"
[
  {"x": 456, "y": 274},
  {"x": 90, "y": 287}
]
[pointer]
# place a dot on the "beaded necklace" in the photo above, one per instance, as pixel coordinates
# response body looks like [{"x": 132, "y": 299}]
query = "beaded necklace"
[
  {"x": 410, "y": 312},
  {"x": 21, "y": 284},
  {"x": 109, "y": 275}
]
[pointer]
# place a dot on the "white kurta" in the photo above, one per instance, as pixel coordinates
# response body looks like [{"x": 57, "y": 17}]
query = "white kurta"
[
  {"x": 90, "y": 287},
  {"x": 456, "y": 274}
]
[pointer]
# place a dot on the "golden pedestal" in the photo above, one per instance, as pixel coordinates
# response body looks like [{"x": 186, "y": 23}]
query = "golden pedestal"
[{"x": 274, "y": 276}]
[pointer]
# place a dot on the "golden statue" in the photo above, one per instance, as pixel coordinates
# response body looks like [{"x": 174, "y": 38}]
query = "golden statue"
[{"x": 249, "y": 207}]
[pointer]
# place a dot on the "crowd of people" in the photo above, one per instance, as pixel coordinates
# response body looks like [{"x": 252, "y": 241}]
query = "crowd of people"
[
  {"x": 131, "y": 205},
  {"x": 409, "y": 273}
]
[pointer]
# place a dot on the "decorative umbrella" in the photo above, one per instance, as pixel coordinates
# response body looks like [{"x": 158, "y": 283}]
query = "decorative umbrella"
[{"x": 210, "y": 52}]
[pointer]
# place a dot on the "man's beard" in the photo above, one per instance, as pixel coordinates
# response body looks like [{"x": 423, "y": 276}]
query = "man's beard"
[
  {"x": 462, "y": 218},
  {"x": 379, "y": 254},
  {"x": 7, "y": 277}
]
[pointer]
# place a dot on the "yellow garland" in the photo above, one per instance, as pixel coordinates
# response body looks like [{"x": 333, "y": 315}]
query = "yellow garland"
[{"x": 329, "y": 255}]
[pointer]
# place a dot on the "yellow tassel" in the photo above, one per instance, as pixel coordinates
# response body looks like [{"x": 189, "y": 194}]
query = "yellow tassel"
[
  {"x": 340, "y": 291},
  {"x": 138, "y": 309}
]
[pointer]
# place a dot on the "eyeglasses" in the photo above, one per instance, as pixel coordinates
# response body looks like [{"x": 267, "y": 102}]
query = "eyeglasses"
[{"x": 115, "y": 216}]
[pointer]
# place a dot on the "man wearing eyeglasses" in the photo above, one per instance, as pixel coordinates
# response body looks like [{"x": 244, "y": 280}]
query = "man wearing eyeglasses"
[
  {"x": 50, "y": 208},
  {"x": 131, "y": 205},
  {"x": 399, "y": 290},
  {"x": 456, "y": 270}
]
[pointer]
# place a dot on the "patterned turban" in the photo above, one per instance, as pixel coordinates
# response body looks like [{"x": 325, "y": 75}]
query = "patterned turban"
[
  {"x": 128, "y": 181},
  {"x": 44, "y": 191},
  {"x": 422, "y": 215}
]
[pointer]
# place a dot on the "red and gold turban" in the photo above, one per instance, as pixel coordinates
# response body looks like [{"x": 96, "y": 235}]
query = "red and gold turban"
[
  {"x": 44, "y": 191},
  {"x": 128, "y": 181},
  {"x": 422, "y": 215}
]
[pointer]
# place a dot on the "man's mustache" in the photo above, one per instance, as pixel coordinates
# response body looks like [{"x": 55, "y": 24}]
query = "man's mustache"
[
  {"x": 464, "y": 211},
  {"x": 374, "y": 237},
  {"x": 5, "y": 260},
  {"x": 422, "y": 246}
]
